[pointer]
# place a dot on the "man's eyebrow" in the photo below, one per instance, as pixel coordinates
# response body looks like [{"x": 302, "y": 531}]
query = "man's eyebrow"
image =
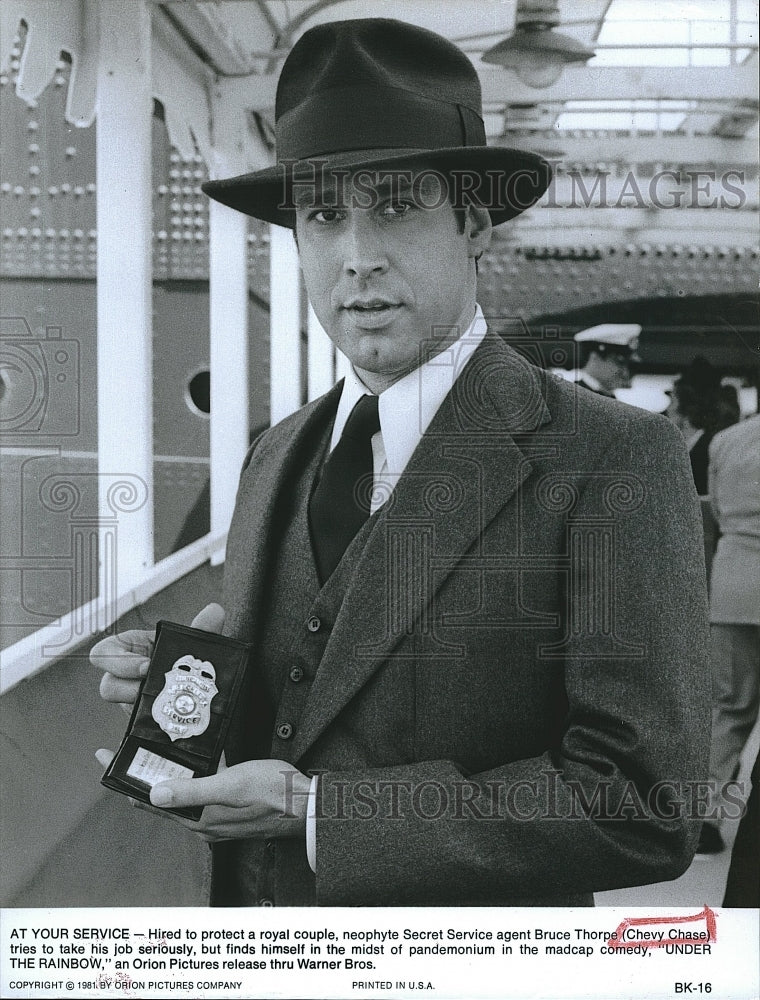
[
  {"x": 311, "y": 196},
  {"x": 378, "y": 184}
]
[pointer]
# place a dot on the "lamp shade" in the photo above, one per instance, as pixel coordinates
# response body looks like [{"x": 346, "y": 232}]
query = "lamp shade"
[{"x": 537, "y": 53}]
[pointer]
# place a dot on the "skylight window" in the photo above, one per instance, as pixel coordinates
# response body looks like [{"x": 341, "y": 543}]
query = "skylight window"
[
  {"x": 625, "y": 116},
  {"x": 696, "y": 31}
]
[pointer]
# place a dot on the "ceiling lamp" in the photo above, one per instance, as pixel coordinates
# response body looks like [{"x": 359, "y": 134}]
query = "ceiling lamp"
[{"x": 537, "y": 53}]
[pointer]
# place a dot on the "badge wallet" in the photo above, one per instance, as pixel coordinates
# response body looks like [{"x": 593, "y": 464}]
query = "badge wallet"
[{"x": 182, "y": 713}]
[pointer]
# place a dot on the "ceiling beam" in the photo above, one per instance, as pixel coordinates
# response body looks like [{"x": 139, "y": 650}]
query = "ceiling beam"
[
  {"x": 208, "y": 33},
  {"x": 565, "y": 227},
  {"x": 625, "y": 83},
  {"x": 500, "y": 87},
  {"x": 736, "y": 123},
  {"x": 667, "y": 148}
]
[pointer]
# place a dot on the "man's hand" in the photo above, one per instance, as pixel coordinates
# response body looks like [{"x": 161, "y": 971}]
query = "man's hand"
[
  {"x": 258, "y": 798},
  {"x": 124, "y": 658}
]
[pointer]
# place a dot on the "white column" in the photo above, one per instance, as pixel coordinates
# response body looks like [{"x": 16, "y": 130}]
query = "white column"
[
  {"x": 228, "y": 355},
  {"x": 320, "y": 366},
  {"x": 124, "y": 287},
  {"x": 284, "y": 323},
  {"x": 228, "y": 311}
]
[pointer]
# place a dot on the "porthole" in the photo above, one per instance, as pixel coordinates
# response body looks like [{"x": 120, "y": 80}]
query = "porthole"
[{"x": 198, "y": 392}]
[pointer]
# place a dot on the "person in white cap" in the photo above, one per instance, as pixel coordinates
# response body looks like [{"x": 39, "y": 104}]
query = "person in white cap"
[{"x": 612, "y": 347}]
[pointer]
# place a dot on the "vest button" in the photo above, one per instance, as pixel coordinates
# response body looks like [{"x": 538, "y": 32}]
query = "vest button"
[
  {"x": 296, "y": 674},
  {"x": 284, "y": 730},
  {"x": 266, "y": 902},
  {"x": 313, "y": 624}
]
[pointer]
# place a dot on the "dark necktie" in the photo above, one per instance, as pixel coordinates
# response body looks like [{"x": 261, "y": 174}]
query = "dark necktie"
[{"x": 341, "y": 502}]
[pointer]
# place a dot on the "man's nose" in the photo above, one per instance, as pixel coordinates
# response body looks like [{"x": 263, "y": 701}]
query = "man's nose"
[{"x": 364, "y": 252}]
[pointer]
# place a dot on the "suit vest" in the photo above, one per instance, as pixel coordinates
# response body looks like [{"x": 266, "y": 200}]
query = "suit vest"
[{"x": 298, "y": 616}]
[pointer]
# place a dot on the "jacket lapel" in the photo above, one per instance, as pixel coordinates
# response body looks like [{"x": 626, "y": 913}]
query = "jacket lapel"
[
  {"x": 465, "y": 470},
  {"x": 273, "y": 471}
]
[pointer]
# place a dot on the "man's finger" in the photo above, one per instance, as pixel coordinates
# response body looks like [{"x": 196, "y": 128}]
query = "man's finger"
[
  {"x": 214, "y": 790},
  {"x": 119, "y": 690},
  {"x": 104, "y": 757},
  {"x": 210, "y": 619},
  {"x": 133, "y": 640},
  {"x": 125, "y": 655}
]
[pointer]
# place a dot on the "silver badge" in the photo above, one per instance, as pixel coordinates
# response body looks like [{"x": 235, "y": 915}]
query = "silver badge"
[{"x": 183, "y": 708}]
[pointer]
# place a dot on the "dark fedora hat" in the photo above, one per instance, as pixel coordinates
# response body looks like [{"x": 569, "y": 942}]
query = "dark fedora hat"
[{"x": 379, "y": 93}]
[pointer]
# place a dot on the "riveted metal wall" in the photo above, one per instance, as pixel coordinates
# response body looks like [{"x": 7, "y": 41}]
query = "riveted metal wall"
[{"x": 48, "y": 352}]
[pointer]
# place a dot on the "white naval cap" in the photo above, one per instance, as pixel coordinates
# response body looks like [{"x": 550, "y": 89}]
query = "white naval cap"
[{"x": 625, "y": 335}]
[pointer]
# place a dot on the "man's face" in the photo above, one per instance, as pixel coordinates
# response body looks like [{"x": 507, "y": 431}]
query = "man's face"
[
  {"x": 385, "y": 273},
  {"x": 674, "y": 413},
  {"x": 617, "y": 371}
]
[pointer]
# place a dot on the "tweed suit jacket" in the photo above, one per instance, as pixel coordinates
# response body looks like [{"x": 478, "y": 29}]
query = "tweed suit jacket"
[{"x": 514, "y": 695}]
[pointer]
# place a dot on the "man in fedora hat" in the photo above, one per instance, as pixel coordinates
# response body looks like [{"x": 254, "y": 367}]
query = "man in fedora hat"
[{"x": 472, "y": 680}]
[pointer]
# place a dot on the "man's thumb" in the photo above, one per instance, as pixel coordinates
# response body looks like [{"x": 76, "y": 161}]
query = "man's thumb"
[{"x": 210, "y": 619}]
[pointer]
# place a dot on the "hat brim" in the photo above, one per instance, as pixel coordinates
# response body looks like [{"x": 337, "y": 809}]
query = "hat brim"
[{"x": 505, "y": 181}]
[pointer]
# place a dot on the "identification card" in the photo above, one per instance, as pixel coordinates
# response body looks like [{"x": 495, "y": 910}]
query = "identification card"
[{"x": 152, "y": 770}]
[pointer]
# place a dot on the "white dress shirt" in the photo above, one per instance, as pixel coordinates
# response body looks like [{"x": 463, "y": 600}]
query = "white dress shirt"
[{"x": 406, "y": 409}]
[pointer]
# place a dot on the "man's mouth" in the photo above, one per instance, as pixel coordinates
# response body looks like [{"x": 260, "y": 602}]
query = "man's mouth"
[
  {"x": 371, "y": 314},
  {"x": 370, "y": 305}
]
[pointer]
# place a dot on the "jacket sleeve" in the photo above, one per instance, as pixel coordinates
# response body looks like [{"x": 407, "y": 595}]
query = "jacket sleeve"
[{"x": 613, "y": 802}]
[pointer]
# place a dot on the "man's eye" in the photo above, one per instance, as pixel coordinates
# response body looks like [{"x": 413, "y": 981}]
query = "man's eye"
[
  {"x": 394, "y": 208},
  {"x": 325, "y": 215}
]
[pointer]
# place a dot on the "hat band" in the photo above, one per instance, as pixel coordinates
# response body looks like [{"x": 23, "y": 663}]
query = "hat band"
[{"x": 354, "y": 118}]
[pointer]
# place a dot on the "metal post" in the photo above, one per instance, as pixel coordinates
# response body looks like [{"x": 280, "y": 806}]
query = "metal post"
[
  {"x": 228, "y": 315},
  {"x": 124, "y": 282},
  {"x": 285, "y": 324},
  {"x": 320, "y": 367},
  {"x": 228, "y": 280}
]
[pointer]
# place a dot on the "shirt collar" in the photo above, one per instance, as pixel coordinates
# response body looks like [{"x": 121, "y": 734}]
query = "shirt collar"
[
  {"x": 692, "y": 439},
  {"x": 591, "y": 382},
  {"x": 407, "y": 407}
]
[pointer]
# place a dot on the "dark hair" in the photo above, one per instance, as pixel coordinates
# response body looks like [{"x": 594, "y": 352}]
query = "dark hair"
[
  {"x": 697, "y": 405},
  {"x": 700, "y": 397},
  {"x": 711, "y": 408}
]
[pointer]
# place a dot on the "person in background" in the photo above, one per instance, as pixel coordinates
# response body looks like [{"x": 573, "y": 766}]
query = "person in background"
[
  {"x": 700, "y": 407},
  {"x": 611, "y": 350},
  {"x": 743, "y": 882},
  {"x": 727, "y": 406},
  {"x": 734, "y": 484}
]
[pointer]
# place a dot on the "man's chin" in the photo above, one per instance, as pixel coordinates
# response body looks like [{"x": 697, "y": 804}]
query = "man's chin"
[{"x": 379, "y": 372}]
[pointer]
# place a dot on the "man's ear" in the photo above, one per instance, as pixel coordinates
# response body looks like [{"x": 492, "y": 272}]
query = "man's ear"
[{"x": 477, "y": 228}]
